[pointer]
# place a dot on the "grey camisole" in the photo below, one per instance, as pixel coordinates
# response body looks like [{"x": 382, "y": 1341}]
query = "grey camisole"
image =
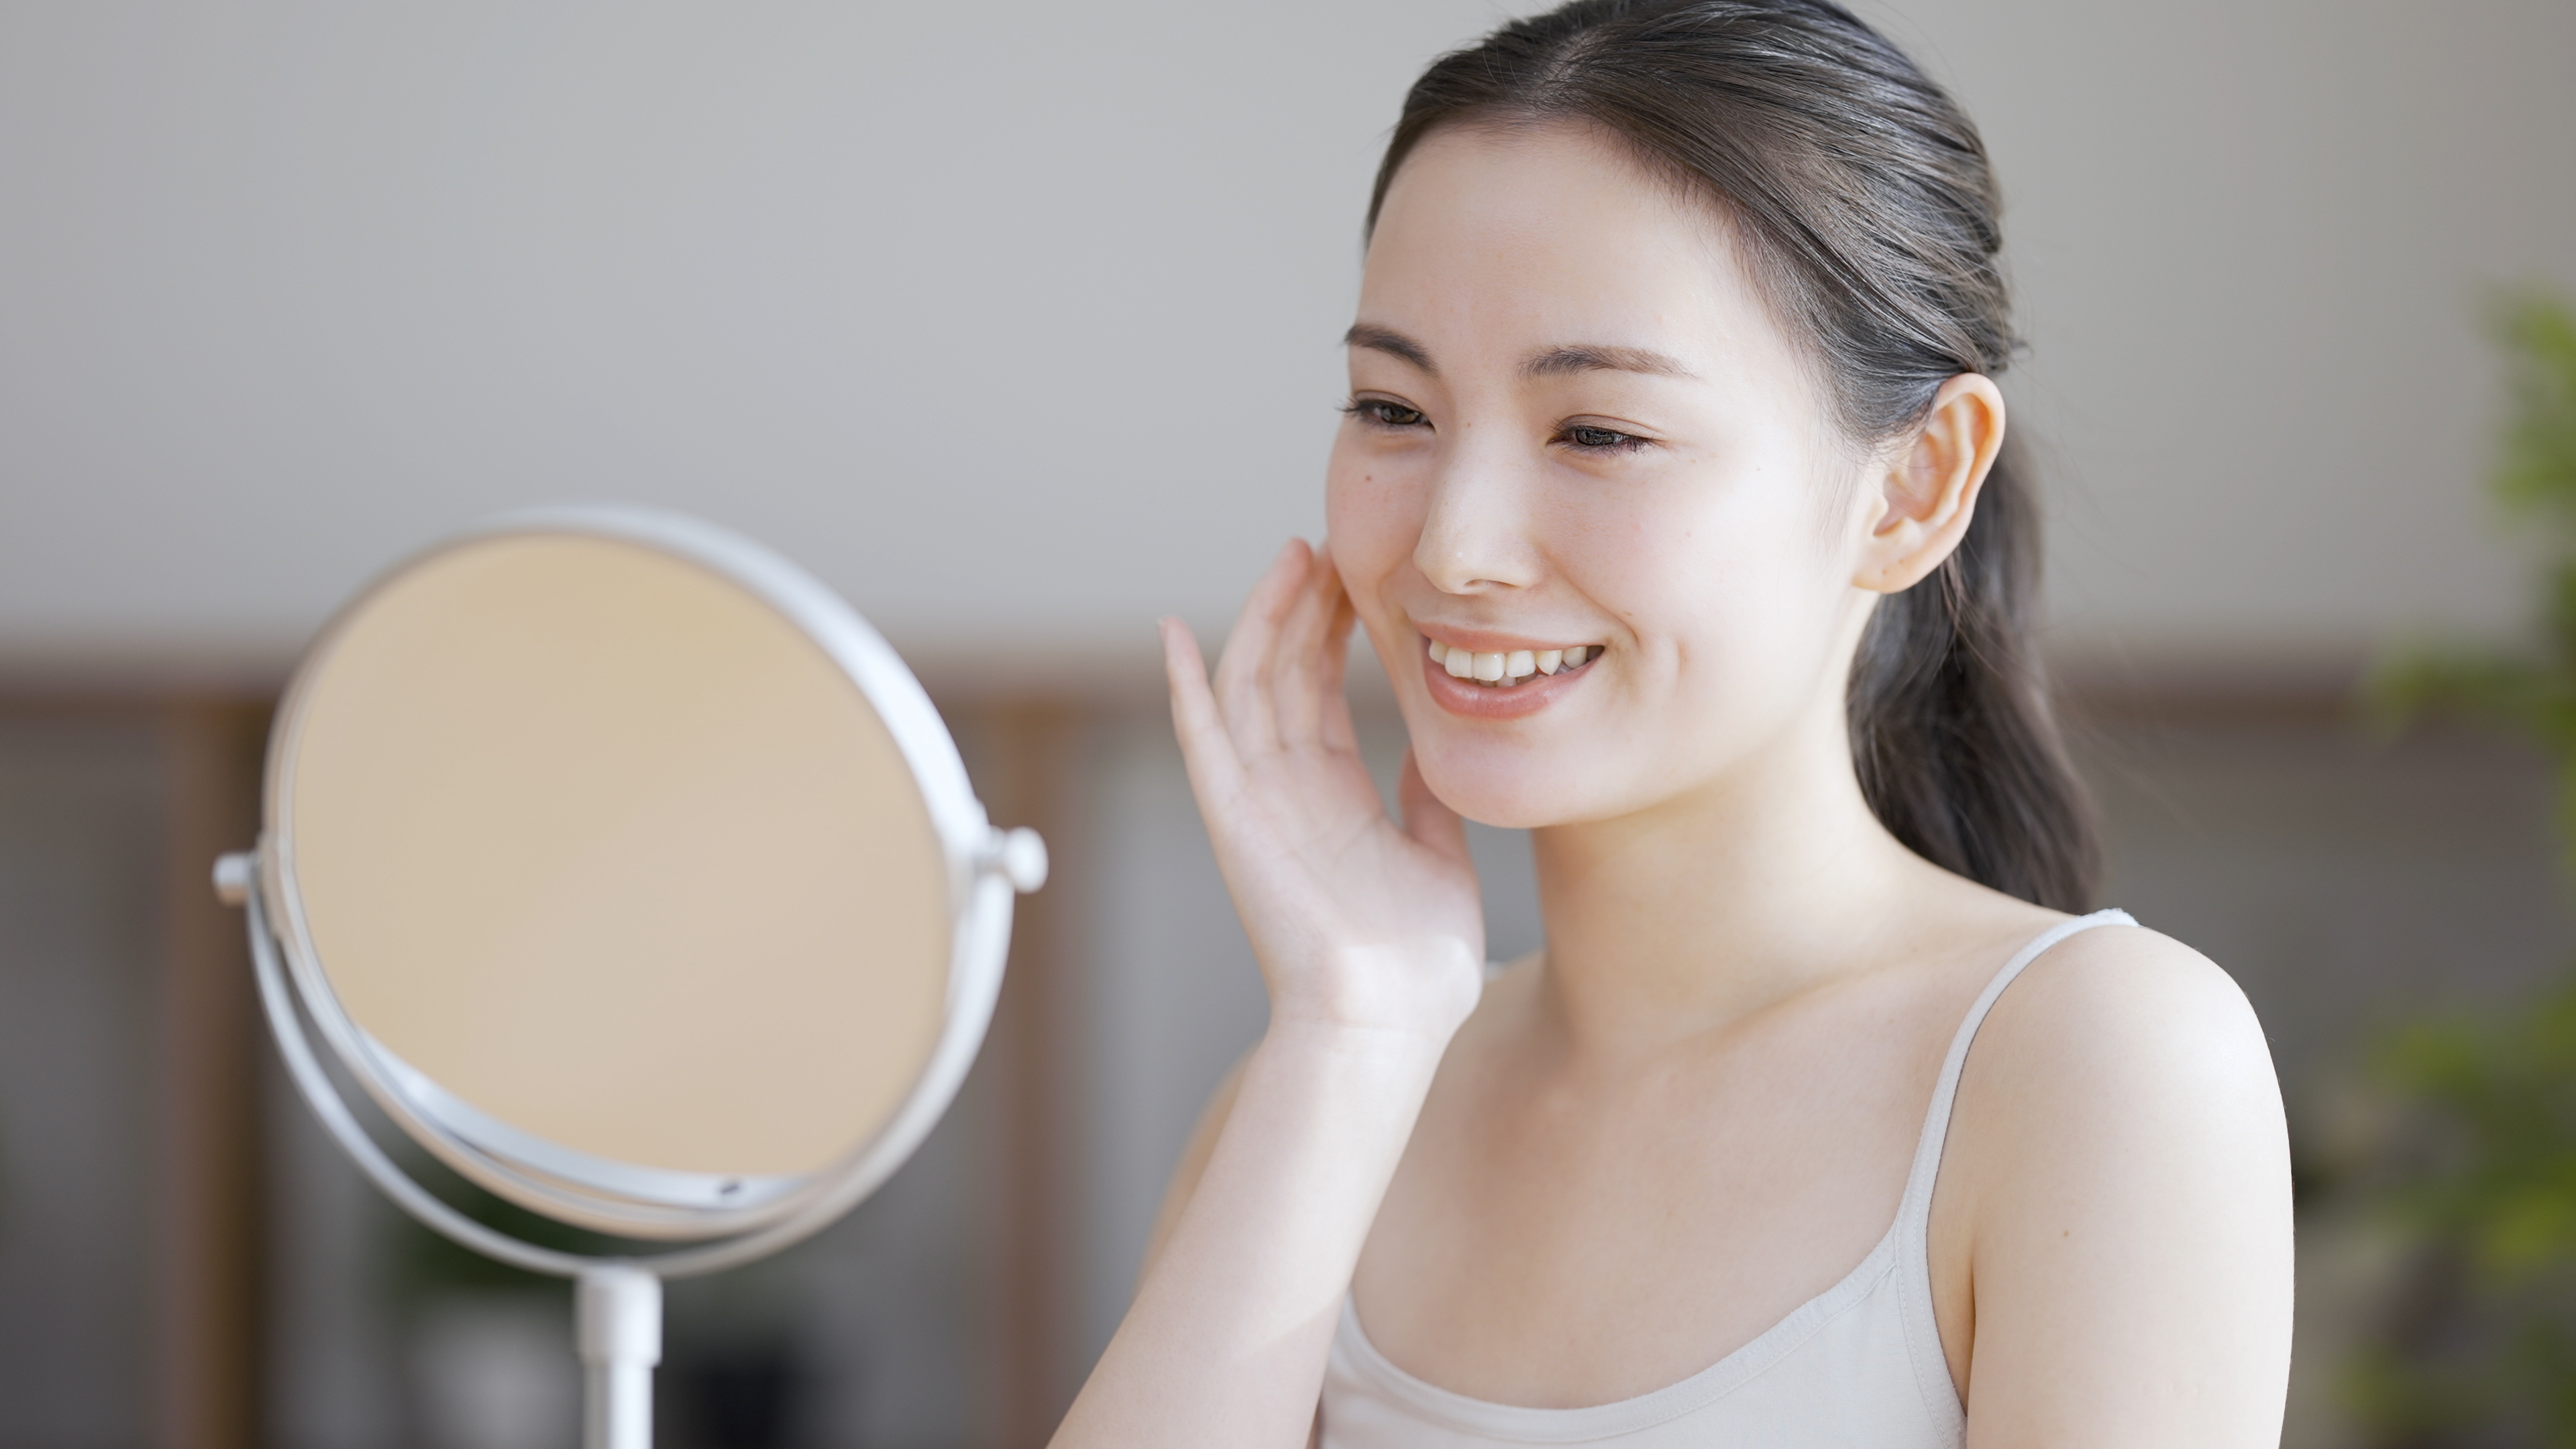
[{"x": 1859, "y": 1364}]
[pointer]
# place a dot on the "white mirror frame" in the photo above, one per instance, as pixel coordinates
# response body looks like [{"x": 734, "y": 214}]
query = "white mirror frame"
[{"x": 986, "y": 868}]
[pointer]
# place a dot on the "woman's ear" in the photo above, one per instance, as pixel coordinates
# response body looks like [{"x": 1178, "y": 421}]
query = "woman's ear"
[{"x": 1922, "y": 495}]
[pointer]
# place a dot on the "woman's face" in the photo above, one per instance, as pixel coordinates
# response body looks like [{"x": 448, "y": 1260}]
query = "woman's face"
[{"x": 1576, "y": 425}]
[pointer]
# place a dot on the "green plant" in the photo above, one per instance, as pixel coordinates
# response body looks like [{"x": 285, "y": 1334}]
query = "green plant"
[
  {"x": 2531, "y": 691},
  {"x": 2485, "y": 1182},
  {"x": 2481, "y": 1172}
]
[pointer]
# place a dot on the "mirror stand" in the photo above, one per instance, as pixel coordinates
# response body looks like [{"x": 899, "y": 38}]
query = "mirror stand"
[{"x": 618, "y": 1324}]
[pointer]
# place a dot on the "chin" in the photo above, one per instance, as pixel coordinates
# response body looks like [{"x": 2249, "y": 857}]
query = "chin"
[{"x": 1509, "y": 789}]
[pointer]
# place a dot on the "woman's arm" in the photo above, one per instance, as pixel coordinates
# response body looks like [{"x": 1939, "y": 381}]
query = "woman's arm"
[
  {"x": 2118, "y": 1199},
  {"x": 1371, "y": 940},
  {"x": 1193, "y": 1164},
  {"x": 1226, "y": 1341}
]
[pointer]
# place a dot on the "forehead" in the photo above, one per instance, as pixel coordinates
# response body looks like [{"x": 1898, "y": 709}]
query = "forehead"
[{"x": 1541, "y": 235}]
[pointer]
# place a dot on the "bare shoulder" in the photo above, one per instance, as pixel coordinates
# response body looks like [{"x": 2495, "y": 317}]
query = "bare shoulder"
[
  {"x": 2111, "y": 1012},
  {"x": 2111, "y": 1233},
  {"x": 2117, "y": 1052}
]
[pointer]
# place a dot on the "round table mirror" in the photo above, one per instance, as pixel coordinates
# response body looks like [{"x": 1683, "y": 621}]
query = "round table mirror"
[{"x": 632, "y": 875}]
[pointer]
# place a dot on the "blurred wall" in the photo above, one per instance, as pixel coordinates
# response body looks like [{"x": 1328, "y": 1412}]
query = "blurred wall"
[
  {"x": 77, "y": 873},
  {"x": 1017, "y": 320}
]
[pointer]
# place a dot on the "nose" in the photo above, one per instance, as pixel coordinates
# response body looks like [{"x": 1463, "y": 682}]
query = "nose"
[{"x": 1475, "y": 536}]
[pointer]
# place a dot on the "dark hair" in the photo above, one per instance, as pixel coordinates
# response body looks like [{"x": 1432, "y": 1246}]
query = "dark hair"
[{"x": 1865, "y": 200}]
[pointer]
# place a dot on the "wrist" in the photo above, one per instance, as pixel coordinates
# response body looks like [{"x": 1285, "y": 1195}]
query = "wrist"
[
  {"x": 1346, "y": 1094},
  {"x": 1359, "y": 1047},
  {"x": 1382, "y": 996}
]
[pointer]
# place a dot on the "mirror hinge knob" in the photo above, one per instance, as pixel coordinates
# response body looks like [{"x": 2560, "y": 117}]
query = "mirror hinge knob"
[
  {"x": 1019, "y": 857},
  {"x": 233, "y": 874}
]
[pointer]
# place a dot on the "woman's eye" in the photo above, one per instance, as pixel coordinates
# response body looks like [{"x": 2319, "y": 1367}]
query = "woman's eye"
[
  {"x": 1602, "y": 439},
  {"x": 1385, "y": 414}
]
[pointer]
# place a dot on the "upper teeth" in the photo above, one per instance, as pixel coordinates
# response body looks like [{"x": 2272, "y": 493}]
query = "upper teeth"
[{"x": 1507, "y": 668}]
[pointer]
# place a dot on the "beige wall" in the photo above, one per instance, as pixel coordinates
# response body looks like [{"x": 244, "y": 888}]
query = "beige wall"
[{"x": 1017, "y": 320}]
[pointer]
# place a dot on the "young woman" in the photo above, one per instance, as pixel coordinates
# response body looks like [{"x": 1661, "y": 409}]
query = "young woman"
[{"x": 1675, "y": 494}]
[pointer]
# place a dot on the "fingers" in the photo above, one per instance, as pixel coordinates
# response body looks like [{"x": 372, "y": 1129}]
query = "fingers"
[
  {"x": 1336, "y": 730},
  {"x": 1243, "y": 683},
  {"x": 1216, "y": 773},
  {"x": 1433, "y": 826},
  {"x": 1306, "y": 672}
]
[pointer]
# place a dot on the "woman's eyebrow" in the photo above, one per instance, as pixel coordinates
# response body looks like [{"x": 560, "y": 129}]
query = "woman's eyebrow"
[
  {"x": 1554, "y": 362},
  {"x": 1391, "y": 342},
  {"x": 1560, "y": 361}
]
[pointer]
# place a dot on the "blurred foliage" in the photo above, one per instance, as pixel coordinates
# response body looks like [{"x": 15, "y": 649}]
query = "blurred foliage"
[
  {"x": 2530, "y": 691},
  {"x": 2482, "y": 1177},
  {"x": 2480, "y": 1168}
]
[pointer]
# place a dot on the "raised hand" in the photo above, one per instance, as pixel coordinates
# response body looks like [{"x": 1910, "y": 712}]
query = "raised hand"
[
  {"x": 1373, "y": 944},
  {"x": 1358, "y": 921}
]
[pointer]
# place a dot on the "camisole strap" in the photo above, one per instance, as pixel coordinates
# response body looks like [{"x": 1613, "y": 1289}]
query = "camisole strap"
[
  {"x": 1912, "y": 1230},
  {"x": 1936, "y": 1121}
]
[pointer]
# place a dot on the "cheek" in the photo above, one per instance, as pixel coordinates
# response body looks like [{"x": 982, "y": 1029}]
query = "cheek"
[
  {"x": 1767, "y": 642},
  {"x": 1373, "y": 517},
  {"x": 1733, "y": 599}
]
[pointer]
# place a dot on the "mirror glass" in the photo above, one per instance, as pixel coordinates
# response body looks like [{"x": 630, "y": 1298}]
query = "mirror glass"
[{"x": 613, "y": 871}]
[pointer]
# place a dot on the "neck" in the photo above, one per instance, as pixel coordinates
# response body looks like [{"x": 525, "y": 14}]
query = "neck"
[{"x": 1708, "y": 907}]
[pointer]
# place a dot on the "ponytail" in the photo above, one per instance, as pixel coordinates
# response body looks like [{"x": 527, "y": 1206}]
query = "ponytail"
[{"x": 1950, "y": 728}]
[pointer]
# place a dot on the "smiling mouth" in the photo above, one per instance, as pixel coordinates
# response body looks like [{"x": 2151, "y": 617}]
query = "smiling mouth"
[{"x": 1502, "y": 671}]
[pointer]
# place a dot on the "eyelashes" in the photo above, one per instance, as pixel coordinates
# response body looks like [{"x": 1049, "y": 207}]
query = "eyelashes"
[
  {"x": 1392, "y": 416},
  {"x": 1599, "y": 440},
  {"x": 1382, "y": 413}
]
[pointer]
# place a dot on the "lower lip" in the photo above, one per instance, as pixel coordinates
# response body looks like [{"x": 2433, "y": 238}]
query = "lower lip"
[{"x": 1477, "y": 701}]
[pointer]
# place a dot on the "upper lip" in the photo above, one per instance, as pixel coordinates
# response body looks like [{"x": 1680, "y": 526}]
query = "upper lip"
[{"x": 1488, "y": 641}]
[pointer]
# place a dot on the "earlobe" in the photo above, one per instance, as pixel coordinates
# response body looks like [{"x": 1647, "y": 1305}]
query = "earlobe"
[{"x": 1926, "y": 487}]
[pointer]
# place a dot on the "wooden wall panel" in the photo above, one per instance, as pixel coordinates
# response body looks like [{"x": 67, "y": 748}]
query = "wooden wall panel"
[
  {"x": 206, "y": 1263},
  {"x": 1025, "y": 758}
]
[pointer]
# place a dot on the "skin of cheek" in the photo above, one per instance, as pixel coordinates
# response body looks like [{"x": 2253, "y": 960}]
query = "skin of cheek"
[{"x": 1720, "y": 593}]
